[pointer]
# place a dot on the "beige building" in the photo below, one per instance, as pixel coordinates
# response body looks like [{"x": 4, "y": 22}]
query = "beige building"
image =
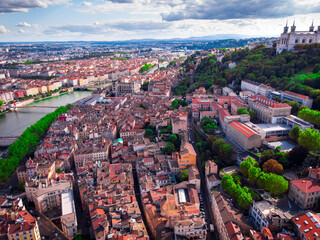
[
  {"x": 45, "y": 195},
  {"x": 125, "y": 86},
  {"x": 25, "y": 226},
  {"x": 68, "y": 219},
  {"x": 305, "y": 192},
  {"x": 243, "y": 135},
  {"x": 268, "y": 110}
]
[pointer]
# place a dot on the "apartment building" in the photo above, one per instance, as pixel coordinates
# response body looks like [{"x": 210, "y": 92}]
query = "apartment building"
[
  {"x": 46, "y": 195},
  {"x": 259, "y": 213},
  {"x": 187, "y": 156},
  {"x": 301, "y": 99},
  {"x": 23, "y": 226},
  {"x": 244, "y": 95},
  {"x": 125, "y": 86},
  {"x": 256, "y": 88},
  {"x": 68, "y": 214},
  {"x": 268, "y": 110},
  {"x": 305, "y": 192},
  {"x": 306, "y": 225},
  {"x": 243, "y": 135}
]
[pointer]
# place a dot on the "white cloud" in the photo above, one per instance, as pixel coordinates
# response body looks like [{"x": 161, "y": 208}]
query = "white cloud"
[
  {"x": 86, "y": 4},
  {"x": 23, "y": 24},
  {"x": 3, "y": 29},
  {"x": 25, "y": 5}
]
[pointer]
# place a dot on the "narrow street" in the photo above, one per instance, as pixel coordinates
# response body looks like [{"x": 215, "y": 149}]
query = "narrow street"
[
  {"x": 203, "y": 189},
  {"x": 83, "y": 221},
  {"x": 138, "y": 197}
]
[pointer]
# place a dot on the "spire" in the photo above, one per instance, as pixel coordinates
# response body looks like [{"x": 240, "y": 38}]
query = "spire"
[
  {"x": 311, "y": 29},
  {"x": 286, "y": 28},
  {"x": 293, "y": 27}
]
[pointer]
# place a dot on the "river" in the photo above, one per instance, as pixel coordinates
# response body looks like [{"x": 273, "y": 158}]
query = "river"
[{"x": 14, "y": 123}]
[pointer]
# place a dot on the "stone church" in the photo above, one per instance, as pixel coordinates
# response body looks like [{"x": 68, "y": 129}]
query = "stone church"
[{"x": 288, "y": 40}]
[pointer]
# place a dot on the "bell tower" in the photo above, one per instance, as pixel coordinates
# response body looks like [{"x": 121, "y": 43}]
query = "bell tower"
[
  {"x": 311, "y": 29},
  {"x": 293, "y": 27},
  {"x": 286, "y": 28}
]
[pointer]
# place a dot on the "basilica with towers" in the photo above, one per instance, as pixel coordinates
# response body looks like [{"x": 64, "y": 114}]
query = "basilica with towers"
[{"x": 288, "y": 39}]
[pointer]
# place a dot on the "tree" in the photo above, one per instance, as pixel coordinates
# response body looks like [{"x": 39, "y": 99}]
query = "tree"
[
  {"x": 312, "y": 160},
  {"x": 210, "y": 128},
  {"x": 297, "y": 155},
  {"x": 80, "y": 236},
  {"x": 245, "y": 200},
  {"x": 252, "y": 114},
  {"x": 169, "y": 149},
  {"x": 303, "y": 107},
  {"x": 295, "y": 132},
  {"x": 225, "y": 152},
  {"x": 58, "y": 171},
  {"x": 285, "y": 101},
  {"x": 205, "y": 121},
  {"x": 277, "y": 99},
  {"x": 148, "y": 132},
  {"x": 316, "y": 68},
  {"x": 174, "y": 104},
  {"x": 215, "y": 147},
  {"x": 183, "y": 176},
  {"x": 276, "y": 184},
  {"x": 294, "y": 105},
  {"x": 310, "y": 139},
  {"x": 253, "y": 173},
  {"x": 173, "y": 138},
  {"x": 262, "y": 179},
  {"x": 272, "y": 166},
  {"x": 226, "y": 182},
  {"x": 247, "y": 164},
  {"x": 1, "y": 103},
  {"x": 70, "y": 106},
  {"x": 242, "y": 110}
]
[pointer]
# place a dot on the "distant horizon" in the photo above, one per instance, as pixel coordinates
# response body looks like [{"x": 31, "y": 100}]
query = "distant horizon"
[
  {"x": 149, "y": 39},
  {"x": 123, "y": 20}
]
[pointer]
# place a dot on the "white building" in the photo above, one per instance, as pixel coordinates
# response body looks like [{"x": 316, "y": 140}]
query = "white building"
[
  {"x": 68, "y": 214},
  {"x": 259, "y": 213},
  {"x": 288, "y": 40},
  {"x": 256, "y": 88}
]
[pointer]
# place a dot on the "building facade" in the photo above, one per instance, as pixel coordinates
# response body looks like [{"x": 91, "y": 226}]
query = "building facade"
[
  {"x": 268, "y": 110},
  {"x": 288, "y": 40}
]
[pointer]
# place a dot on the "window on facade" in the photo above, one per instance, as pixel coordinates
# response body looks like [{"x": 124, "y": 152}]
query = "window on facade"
[
  {"x": 303, "y": 40},
  {"x": 310, "y": 40},
  {"x": 296, "y": 41}
]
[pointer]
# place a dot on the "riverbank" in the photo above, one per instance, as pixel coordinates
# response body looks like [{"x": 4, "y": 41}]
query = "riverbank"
[{"x": 13, "y": 123}]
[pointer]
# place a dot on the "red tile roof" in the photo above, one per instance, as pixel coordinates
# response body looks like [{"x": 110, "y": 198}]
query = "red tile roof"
[
  {"x": 307, "y": 185},
  {"x": 242, "y": 128},
  {"x": 296, "y": 95},
  {"x": 262, "y": 100},
  {"x": 308, "y": 224},
  {"x": 223, "y": 112}
]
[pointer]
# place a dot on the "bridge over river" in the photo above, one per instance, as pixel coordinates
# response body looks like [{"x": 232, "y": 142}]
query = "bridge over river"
[{"x": 13, "y": 123}]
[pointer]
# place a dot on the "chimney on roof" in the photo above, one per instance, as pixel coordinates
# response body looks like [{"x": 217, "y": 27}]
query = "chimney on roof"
[{"x": 310, "y": 171}]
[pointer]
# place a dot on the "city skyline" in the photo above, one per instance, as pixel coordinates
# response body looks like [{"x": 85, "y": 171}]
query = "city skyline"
[{"x": 75, "y": 20}]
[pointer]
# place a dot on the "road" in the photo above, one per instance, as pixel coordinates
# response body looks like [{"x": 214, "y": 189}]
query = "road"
[
  {"x": 82, "y": 218},
  {"x": 203, "y": 187},
  {"x": 139, "y": 200}
]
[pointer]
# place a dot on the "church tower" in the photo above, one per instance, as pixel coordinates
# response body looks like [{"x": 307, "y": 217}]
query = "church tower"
[
  {"x": 286, "y": 28},
  {"x": 311, "y": 29},
  {"x": 293, "y": 27}
]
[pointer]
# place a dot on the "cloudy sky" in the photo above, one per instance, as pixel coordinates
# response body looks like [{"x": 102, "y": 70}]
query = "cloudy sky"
[{"x": 52, "y": 20}]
